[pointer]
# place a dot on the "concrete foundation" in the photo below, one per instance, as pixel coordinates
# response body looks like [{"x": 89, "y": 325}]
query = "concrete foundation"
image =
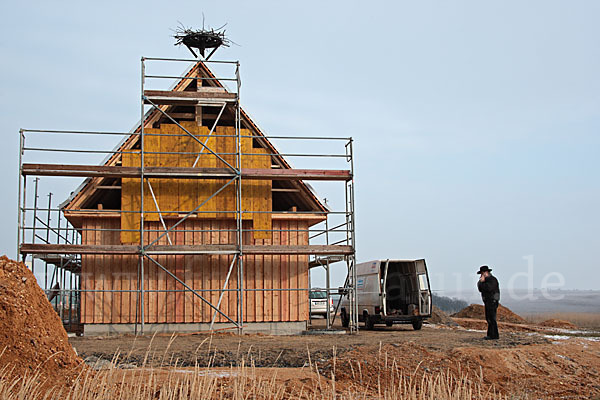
[{"x": 268, "y": 328}]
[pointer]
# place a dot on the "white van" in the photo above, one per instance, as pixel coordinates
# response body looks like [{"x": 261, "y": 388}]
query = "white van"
[{"x": 390, "y": 292}]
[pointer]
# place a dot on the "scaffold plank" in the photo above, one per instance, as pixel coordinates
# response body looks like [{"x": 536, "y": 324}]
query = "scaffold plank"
[
  {"x": 296, "y": 174},
  {"x": 35, "y": 248},
  {"x": 125, "y": 171},
  {"x": 161, "y": 97},
  {"x": 183, "y": 173}
]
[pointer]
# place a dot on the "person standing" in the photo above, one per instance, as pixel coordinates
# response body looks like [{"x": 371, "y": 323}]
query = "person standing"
[{"x": 490, "y": 294}]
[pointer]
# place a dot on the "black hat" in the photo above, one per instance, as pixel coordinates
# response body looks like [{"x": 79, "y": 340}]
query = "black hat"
[{"x": 484, "y": 268}]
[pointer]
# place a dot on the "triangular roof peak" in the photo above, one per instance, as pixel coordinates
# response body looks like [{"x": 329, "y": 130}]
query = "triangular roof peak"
[{"x": 88, "y": 190}]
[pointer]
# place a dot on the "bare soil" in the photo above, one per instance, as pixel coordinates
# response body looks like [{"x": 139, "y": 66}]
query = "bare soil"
[
  {"x": 440, "y": 317},
  {"x": 526, "y": 362},
  {"x": 567, "y": 370},
  {"x": 522, "y": 363},
  {"x": 558, "y": 323},
  {"x": 281, "y": 351},
  {"x": 32, "y": 338},
  {"x": 477, "y": 311},
  {"x": 480, "y": 324}
]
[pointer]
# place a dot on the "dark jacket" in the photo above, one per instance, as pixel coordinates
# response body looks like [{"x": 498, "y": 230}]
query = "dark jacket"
[{"x": 489, "y": 288}]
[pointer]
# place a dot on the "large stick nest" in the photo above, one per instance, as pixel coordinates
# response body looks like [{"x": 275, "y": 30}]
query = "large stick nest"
[{"x": 201, "y": 39}]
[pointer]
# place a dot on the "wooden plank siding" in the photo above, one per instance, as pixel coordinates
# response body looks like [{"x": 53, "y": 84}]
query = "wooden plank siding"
[
  {"x": 198, "y": 271},
  {"x": 165, "y": 299}
]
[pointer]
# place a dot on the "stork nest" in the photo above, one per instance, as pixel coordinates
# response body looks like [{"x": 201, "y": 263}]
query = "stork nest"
[{"x": 201, "y": 39}]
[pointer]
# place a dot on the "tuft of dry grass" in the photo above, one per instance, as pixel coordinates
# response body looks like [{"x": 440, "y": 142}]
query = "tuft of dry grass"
[
  {"x": 581, "y": 319},
  {"x": 238, "y": 382},
  {"x": 242, "y": 383}
]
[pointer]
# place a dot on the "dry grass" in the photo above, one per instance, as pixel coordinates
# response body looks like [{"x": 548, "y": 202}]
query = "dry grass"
[
  {"x": 143, "y": 383},
  {"x": 242, "y": 381},
  {"x": 582, "y": 320}
]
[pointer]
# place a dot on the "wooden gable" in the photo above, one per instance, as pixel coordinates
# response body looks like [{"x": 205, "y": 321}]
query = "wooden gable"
[
  {"x": 90, "y": 195},
  {"x": 178, "y": 197}
]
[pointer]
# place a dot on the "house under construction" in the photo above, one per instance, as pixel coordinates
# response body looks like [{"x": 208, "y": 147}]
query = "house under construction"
[{"x": 195, "y": 221}]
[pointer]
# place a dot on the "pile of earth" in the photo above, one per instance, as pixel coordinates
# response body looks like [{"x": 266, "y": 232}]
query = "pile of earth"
[
  {"x": 481, "y": 325},
  {"x": 477, "y": 311},
  {"x": 543, "y": 371},
  {"x": 440, "y": 317},
  {"x": 32, "y": 338},
  {"x": 558, "y": 323}
]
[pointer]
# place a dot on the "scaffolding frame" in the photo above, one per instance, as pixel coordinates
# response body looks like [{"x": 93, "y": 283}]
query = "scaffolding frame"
[{"x": 66, "y": 256}]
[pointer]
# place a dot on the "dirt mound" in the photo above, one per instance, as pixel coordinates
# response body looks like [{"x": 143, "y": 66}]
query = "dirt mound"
[
  {"x": 532, "y": 371},
  {"x": 441, "y": 318},
  {"x": 558, "y": 323},
  {"x": 477, "y": 311},
  {"x": 32, "y": 338},
  {"x": 481, "y": 325}
]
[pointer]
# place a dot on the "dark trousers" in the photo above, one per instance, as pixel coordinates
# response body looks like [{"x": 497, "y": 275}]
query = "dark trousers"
[{"x": 490, "y": 316}]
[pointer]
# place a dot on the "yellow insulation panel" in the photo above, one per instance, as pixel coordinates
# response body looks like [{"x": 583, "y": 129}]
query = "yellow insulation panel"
[
  {"x": 176, "y": 197},
  {"x": 130, "y": 201}
]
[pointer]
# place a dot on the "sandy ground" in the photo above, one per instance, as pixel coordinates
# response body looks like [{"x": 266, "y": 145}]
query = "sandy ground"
[
  {"x": 282, "y": 351},
  {"x": 526, "y": 362}
]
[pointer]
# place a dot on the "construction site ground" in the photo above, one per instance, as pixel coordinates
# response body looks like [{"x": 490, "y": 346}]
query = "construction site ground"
[
  {"x": 225, "y": 349},
  {"x": 527, "y": 360}
]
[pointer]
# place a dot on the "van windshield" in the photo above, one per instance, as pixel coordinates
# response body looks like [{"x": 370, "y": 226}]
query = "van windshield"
[{"x": 318, "y": 295}]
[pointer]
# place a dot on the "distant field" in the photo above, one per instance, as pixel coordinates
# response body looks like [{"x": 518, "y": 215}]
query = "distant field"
[
  {"x": 539, "y": 302},
  {"x": 581, "y": 319}
]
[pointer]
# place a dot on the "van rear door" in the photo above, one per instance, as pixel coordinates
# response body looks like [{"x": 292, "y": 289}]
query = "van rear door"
[
  {"x": 424, "y": 290},
  {"x": 382, "y": 291}
]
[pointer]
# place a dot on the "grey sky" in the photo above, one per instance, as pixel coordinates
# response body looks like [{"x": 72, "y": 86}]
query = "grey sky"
[{"x": 476, "y": 123}]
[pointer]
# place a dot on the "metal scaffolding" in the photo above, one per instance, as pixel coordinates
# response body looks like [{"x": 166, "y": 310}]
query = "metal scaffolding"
[{"x": 42, "y": 237}]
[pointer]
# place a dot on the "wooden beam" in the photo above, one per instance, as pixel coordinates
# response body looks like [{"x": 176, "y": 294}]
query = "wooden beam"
[
  {"x": 298, "y": 249},
  {"x": 125, "y": 172},
  {"x": 189, "y": 98},
  {"x": 297, "y": 174},
  {"x": 310, "y": 217},
  {"x": 285, "y": 190},
  {"x": 34, "y": 248},
  {"x": 199, "y": 95},
  {"x": 91, "y": 213},
  {"x": 183, "y": 173}
]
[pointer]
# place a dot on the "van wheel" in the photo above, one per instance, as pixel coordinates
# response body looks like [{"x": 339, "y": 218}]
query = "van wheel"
[
  {"x": 345, "y": 318},
  {"x": 389, "y": 324},
  {"x": 417, "y": 324}
]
